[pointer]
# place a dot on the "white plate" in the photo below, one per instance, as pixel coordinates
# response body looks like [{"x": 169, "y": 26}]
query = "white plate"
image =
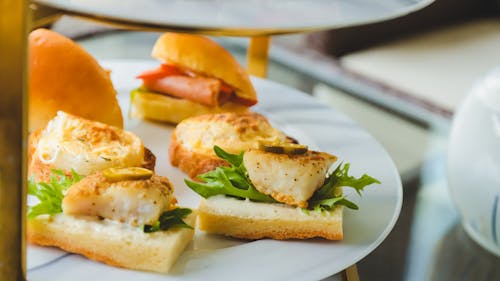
[{"x": 211, "y": 257}]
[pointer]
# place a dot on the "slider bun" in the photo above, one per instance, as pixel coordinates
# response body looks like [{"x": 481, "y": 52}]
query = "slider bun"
[
  {"x": 152, "y": 106},
  {"x": 192, "y": 141},
  {"x": 202, "y": 55},
  {"x": 252, "y": 220},
  {"x": 111, "y": 242},
  {"x": 63, "y": 76}
]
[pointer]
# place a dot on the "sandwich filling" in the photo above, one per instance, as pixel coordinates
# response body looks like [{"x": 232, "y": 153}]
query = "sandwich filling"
[
  {"x": 146, "y": 201},
  {"x": 171, "y": 80},
  {"x": 279, "y": 179}
]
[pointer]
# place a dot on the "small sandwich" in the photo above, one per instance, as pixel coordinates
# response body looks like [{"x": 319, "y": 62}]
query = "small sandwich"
[
  {"x": 69, "y": 142},
  {"x": 196, "y": 76},
  {"x": 192, "y": 141},
  {"x": 63, "y": 76},
  {"x": 279, "y": 191},
  {"x": 125, "y": 217}
]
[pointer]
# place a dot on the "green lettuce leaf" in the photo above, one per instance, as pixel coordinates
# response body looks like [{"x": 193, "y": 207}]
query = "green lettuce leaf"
[
  {"x": 50, "y": 195},
  {"x": 230, "y": 181},
  {"x": 330, "y": 195},
  {"x": 170, "y": 219}
]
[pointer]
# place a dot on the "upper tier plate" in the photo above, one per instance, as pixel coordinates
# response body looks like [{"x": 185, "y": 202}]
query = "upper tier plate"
[{"x": 239, "y": 17}]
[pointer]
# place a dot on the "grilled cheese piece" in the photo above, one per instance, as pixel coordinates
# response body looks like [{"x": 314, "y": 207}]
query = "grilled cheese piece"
[
  {"x": 192, "y": 141},
  {"x": 70, "y": 143},
  {"x": 290, "y": 179},
  {"x": 136, "y": 202}
]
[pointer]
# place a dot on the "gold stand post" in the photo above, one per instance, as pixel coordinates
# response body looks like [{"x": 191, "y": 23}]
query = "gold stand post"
[
  {"x": 13, "y": 35},
  {"x": 351, "y": 273},
  {"x": 257, "y": 56}
]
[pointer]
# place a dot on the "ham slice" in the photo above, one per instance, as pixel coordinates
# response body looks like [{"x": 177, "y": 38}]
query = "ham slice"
[{"x": 199, "y": 89}]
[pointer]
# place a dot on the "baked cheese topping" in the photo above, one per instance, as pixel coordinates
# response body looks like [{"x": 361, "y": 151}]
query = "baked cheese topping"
[
  {"x": 231, "y": 131},
  {"x": 136, "y": 202},
  {"x": 70, "y": 142},
  {"x": 290, "y": 179}
]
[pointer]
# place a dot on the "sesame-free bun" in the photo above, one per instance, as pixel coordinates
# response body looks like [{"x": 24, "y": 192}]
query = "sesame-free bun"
[
  {"x": 63, "y": 76},
  {"x": 204, "y": 56}
]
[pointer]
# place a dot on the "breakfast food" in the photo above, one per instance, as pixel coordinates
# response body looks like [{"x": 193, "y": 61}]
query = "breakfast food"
[
  {"x": 63, "y": 76},
  {"x": 279, "y": 195},
  {"x": 69, "y": 142},
  {"x": 192, "y": 141},
  {"x": 124, "y": 217},
  {"x": 197, "y": 76}
]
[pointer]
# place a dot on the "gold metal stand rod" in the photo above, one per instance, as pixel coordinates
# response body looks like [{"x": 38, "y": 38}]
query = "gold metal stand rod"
[
  {"x": 42, "y": 16},
  {"x": 13, "y": 38},
  {"x": 351, "y": 273},
  {"x": 258, "y": 55}
]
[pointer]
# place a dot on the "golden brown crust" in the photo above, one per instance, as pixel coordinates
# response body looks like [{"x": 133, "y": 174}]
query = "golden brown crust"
[
  {"x": 254, "y": 229},
  {"x": 149, "y": 160},
  {"x": 212, "y": 60},
  {"x": 63, "y": 76},
  {"x": 243, "y": 123},
  {"x": 191, "y": 163}
]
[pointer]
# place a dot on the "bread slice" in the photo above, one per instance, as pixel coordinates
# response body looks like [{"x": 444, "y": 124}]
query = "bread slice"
[
  {"x": 112, "y": 242},
  {"x": 252, "y": 220},
  {"x": 192, "y": 141}
]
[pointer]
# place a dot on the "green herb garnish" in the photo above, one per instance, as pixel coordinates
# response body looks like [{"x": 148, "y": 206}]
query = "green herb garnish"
[
  {"x": 231, "y": 181},
  {"x": 50, "y": 195},
  {"x": 328, "y": 196},
  {"x": 169, "y": 219}
]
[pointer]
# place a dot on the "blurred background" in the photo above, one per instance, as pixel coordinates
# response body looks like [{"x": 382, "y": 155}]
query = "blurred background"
[{"x": 402, "y": 80}]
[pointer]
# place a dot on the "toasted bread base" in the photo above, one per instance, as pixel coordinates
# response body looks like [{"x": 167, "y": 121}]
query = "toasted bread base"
[
  {"x": 111, "y": 242},
  {"x": 190, "y": 162},
  {"x": 251, "y": 220}
]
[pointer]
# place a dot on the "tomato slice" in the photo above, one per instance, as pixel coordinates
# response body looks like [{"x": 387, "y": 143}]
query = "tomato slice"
[
  {"x": 163, "y": 70},
  {"x": 225, "y": 88}
]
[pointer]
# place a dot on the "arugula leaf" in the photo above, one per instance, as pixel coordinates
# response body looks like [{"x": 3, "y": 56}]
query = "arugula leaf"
[
  {"x": 50, "y": 194},
  {"x": 169, "y": 219},
  {"x": 232, "y": 181},
  {"x": 329, "y": 195}
]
